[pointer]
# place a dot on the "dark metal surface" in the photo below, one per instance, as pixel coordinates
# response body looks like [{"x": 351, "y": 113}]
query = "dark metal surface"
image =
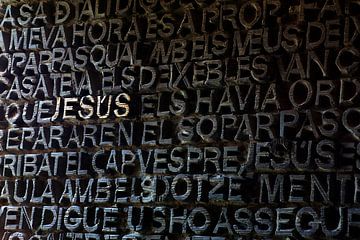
[{"x": 179, "y": 119}]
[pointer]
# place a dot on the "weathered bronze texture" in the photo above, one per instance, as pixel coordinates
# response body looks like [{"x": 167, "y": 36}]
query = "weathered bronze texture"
[{"x": 179, "y": 119}]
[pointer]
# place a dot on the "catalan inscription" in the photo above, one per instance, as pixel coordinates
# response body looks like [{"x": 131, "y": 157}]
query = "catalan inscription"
[{"x": 179, "y": 119}]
